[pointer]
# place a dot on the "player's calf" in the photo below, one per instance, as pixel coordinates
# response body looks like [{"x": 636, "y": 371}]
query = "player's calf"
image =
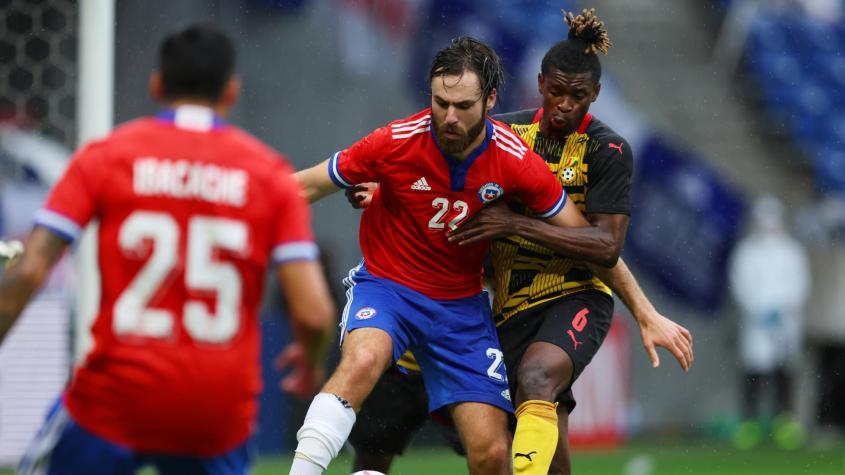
[
  {"x": 483, "y": 432},
  {"x": 366, "y": 353},
  {"x": 561, "y": 463}
]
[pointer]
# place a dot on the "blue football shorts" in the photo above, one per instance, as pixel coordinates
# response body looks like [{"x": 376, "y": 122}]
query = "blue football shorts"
[
  {"x": 454, "y": 341},
  {"x": 62, "y": 447}
]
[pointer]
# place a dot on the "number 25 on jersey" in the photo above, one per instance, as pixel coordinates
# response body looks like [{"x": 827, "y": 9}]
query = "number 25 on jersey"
[{"x": 133, "y": 316}]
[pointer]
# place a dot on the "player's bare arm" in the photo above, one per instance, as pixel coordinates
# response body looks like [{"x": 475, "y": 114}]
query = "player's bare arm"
[
  {"x": 26, "y": 275},
  {"x": 312, "y": 314},
  {"x": 655, "y": 329},
  {"x": 316, "y": 183},
  {"x": 561, "y": 234},
  {"x": 568, "y": 233}
]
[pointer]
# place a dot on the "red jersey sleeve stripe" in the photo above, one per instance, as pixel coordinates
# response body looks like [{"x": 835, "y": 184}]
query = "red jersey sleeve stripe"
[
  {"x": 510, "y": 150},
  {"x": 510, "y": 139},
  {"x": 295, "y": 251},
  {"x": 405, "y": 128},
  {"x": 556, "y": 208},
  {"x": 65, "y": 227},
  {"x": 413, "y": 132},
  {"x": 411, "y": 123},
  {"x": 334, "y": 173}
]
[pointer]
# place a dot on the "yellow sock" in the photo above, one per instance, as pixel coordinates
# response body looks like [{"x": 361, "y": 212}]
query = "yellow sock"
[{"x": 535, "y": 439}]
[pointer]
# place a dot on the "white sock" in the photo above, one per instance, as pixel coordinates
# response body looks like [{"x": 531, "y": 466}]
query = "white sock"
[
  {"x": 303, "y": 466},
  {"x": 327, "y": 426}
]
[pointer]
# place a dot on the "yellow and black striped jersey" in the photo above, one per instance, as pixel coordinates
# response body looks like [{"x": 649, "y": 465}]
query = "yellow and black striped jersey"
[{"x": 594, "y": 165}]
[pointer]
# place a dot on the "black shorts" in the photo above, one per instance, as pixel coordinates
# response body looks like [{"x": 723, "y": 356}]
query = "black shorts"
[
  {"x": 576, "y": 323},
  {"x": 395, "y": 410}
]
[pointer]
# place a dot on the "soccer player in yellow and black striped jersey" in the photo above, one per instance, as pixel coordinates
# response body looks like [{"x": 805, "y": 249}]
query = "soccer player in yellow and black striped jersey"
[{"x": 552, "y": 311}]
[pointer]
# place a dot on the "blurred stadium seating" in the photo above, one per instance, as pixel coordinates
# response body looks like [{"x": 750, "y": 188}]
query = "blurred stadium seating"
[{"x": 799, "y": 64}]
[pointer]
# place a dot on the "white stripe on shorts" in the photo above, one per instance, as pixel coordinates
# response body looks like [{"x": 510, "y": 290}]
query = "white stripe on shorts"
[
  {"x": 349, "y": 282},
  {"x": 36, "y": 460}
]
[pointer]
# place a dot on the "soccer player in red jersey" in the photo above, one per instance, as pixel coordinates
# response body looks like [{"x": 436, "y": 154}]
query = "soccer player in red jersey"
[
  {"x": 191, "y": 210},
  {"x": 416, "y": 290},
  {"x": 552, "y": 313}
]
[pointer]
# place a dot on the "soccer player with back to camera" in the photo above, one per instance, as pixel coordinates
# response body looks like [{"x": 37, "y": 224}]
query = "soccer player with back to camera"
[
  {"x": 551, "y": 309},
  {"x": 191, "y": 211}
]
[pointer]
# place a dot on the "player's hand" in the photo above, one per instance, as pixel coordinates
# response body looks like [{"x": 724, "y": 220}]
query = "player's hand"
[
  {"x": 494, "y": 221},
  {"x": 305, "y": 377},
  {"x": 10, "y": 251},
  {"x": 361, "y": 195},
  {"x": 658, "y": 330}
]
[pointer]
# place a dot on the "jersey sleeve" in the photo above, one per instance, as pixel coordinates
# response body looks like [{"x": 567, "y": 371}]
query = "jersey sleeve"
[
  {"x": 360, "y": 162},
  {"x": 75, "y": 198},
  {"x": 609, "y": 186},
  {"x": 537, "y": 187},
  {"x": 293, "y": 238}
]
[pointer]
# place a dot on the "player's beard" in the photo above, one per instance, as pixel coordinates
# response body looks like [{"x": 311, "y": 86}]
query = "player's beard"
[{"x": 460, "y": 144}]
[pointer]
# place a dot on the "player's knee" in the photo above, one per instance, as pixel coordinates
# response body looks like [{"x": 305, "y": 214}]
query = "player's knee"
[
  {"x": 539, "y": 380},
  {"x": 363, "y": 363},
  {"x": 489, "y": 458}
]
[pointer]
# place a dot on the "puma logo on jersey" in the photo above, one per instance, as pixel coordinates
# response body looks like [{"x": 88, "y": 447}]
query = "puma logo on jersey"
[
  {"x": 421, "y": 184},
  {"x": 574, "y": 340},
  {"x": 528, "y": 455},
  {"x": 615, "y": 146}
]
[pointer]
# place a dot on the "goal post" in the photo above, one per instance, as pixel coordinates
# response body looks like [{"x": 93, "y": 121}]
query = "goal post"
[{"x": 95, "y": 115}]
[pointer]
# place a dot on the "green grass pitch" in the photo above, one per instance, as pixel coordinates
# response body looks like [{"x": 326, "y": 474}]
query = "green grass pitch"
[
  {"x": 654, "y": 458},
  {"x": 698, "y": 458}
]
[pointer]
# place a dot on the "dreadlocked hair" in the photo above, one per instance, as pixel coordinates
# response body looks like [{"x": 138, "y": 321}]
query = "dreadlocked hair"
[
  {"x": 578, "y": 53},
  {"x": 588, "y": 28},
  {"x": 469, "y": 54}
]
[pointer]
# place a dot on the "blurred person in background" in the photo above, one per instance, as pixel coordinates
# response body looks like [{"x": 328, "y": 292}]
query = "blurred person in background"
[
  {"x": 770, "y": 279},
  {"x": 191, "y": 212}
]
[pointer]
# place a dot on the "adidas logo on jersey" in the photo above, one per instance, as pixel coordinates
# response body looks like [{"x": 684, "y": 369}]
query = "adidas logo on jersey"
[{"x": 421, "y": 184}]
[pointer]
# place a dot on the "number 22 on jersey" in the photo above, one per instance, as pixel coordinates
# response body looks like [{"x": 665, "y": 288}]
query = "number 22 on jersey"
[
  {"x": 442, "y": 206},
  {"x": 133, "y": 316}
]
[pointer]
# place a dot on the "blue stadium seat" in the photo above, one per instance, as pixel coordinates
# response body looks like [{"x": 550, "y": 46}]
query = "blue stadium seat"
[
  {"x": 831, "y": 67},
  {"x": 770, "y": 32},
  {"x": 836, "y": 129},
  {"x": 810, "y": 107},
  {"x": 812, "y": 35},
  {"x": 830, "y": 168},
  {"x": 779, "y": 66}
]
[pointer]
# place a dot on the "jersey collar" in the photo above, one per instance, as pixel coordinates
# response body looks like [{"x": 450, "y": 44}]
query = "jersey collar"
[
  {"x": 192, "y": 117},
  {"x": 458, "y": 169},
  {"x": 582, "y": 129}
]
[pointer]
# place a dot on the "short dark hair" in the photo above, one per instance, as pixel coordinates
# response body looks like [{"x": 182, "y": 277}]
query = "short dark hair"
[
  {"x": 578, "y": 53},
  {"x": 469, "y": 54},
  {"x": 196, "y": 63}
]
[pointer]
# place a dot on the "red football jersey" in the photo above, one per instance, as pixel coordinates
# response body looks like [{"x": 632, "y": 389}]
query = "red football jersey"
[
  {"x": 191, "y": 211},
  {"x": 425, "y": 193}
]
